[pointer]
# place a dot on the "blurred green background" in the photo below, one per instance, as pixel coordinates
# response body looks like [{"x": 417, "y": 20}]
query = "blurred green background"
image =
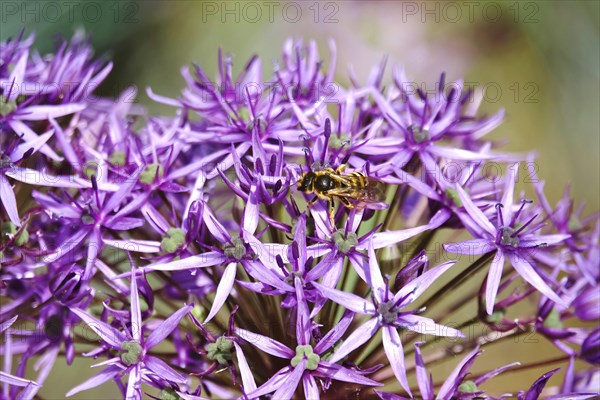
[{"x": 538, "y": 60}]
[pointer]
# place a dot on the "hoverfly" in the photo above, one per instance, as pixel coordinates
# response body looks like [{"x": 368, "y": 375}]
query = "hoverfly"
[{"x": 353, "y": 190}]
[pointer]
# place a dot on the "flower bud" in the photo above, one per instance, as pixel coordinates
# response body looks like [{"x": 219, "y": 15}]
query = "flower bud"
[{"x": 68, "y": 286}]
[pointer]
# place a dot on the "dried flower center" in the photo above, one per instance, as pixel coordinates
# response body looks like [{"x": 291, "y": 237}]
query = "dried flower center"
[
  {"x": 152, "y": 171},
  {"x": 132, "y": 352},
  {"x": 420, "y": 135},
  {"x": 344, "y": 243},
  {"x": 174, "y": 239},
  {"x": 388, "y": 312},
  {"x": 468, "y": 387},
  {"x": 220, "y": 350},
  {"x": 306, "y": 351},
  {"x": 169, "y": 394},
  {"x": 7, "y": 107},
  {"x": 553, "y": 320},
  {"x": 336, "y": 142},
  {"x": 507, "y": 238},
  {"x": 237, "y": 250}
]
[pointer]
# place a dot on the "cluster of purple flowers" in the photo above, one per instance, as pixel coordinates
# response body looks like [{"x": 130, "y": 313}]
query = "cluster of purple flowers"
[{"x": 177, "y": 252}]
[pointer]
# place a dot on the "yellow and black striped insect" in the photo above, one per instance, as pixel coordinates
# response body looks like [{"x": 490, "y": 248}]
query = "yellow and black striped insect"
[{"x": 353, "y": 190}]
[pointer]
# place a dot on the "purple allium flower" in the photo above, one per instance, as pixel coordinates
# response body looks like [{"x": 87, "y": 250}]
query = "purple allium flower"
[
  {"x": 286, "y": 293},
  {"x": 133, "y": 348},
  {"x": 512, "y": 236},
  {"x": 387, "y": 310}
]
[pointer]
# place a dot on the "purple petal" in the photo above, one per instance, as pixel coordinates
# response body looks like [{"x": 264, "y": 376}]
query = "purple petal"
[
  {"x": 266, "y": 344},
  {"x": 302, "y": 315},
  {"x": 536, "y": 240},
  {"x": 134, "y": 382},
  {"x": 356, "y": 339},
  {"x": 96, "y": 380},
  {"x": 34, "y": 144},
  {"x": 162, "y": 369},
  {"x": 124, "y": 190},
  {"x": 460, "y": 154},
  {"x": 457, "y": 375},
  {"x": 527, "y": 272},
  {"x": 41, "y": 113},
  {"x": 136, "y": 314},
  {"x": 250, "y": 219},
  {"x": 265, "y": 275},
  {"x": 311, "y": 390},
  {"x": 134, "y": 245},
  {"x": 350, "y": 301},
  {"x": 9, "y": 201},
  {"x": 493, "y": 281},
  {"x": 42, "y": 178},
  {"x": 207, "y": 259},
  {"x": 29, "y": 135},
  {"x": 509, "y": 190},
  {"x": 15, "y": 380},
  {"x": 474, "y": 212},
  {"x": 109, "y": 334},
  {"x": 274, "y": 383},
  {"x": 287, "y": 391},
  {"x": 393, "y": 349},
  {"x": 334, "y": 334},
  {"x": 166, "y": 327},
  {"x": 375, "y": 278},
  {"x": 427, "y": 326},
  {"x": 418, "y": 285},
  {"x": 384, "y": 239},
  {"x": 538, "y": 386},
  {"x": 223, "y": 290},
  {"x": 470, "y": 247},
  {"x": 339, "y": 373},
  {"x": 248, "y": 382},
  {"x": 423, "y": 379}
]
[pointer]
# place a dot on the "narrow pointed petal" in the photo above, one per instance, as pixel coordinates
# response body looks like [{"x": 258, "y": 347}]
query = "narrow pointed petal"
[
  {"x": 274, "y": 383},
  {"x": 339, "y": 373},
  {"x": 311, "y": 390},
  {"x": 108, "y": 334},
  {"x": 393, "y": 349},
  {"x": 223, "y": 290},
  {"x": 375, "y": 278},
  {"x": 427, "y": 326},
  {"x": 302, "y": 314},
  {"x": 493, "y": 281},
  {"x": 457, "y": 375},
  {"x": 162, "y": 369},
  {"x": 350, "y": 301},
  {"x": 28, "y": 134},
  {"x": 42, "y": 178},
  {"x": 9, "y": 201},
  {"x": 285, "y": 392},
  {"x": 15, "y": 380},
  {"x": 248, "y": 382},
  {"x": 474, "y": 211},
  {"x": 136, "y": 314},
  {"x": 509, "y": 193},
  {"x": 528, "y": 273},
  {"x": 96, "y": 380},
  {"x": 133, "y": 391},
  {"x": 134, "y": 245},
  {"x": 418, "y": 285},
  {"x": 40, "y": 113},
  {"x": 166, "y": 327},
  {"x": 334, "y": 334},
  {"x": 470, "y": 247},
  {"x": 423, "y": 381},
  {"x": 207, "y": 259},
  {"x": 250, "y": 222},
  {"x": 266, "y": 344},
  {"x": 124, "y": 190},
  {"x": 35, "y": 145},
  {"x": 361, "y": 335}
]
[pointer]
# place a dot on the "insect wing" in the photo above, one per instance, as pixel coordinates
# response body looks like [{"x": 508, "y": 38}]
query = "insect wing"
[{"x": 373, "y": 192}]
